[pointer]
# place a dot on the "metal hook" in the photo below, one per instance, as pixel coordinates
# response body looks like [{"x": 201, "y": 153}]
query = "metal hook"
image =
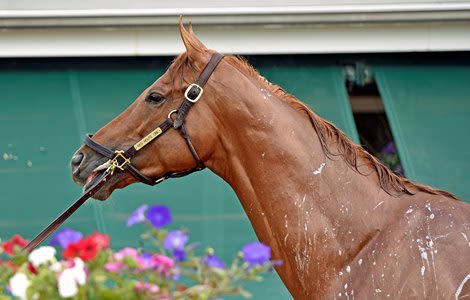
[{"x": 174, "y": 111}]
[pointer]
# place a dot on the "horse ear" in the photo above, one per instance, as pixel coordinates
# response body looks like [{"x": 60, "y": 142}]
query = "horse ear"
[
  {"x": 194, "y": 47},
  {"x": 190, "y": 27}
]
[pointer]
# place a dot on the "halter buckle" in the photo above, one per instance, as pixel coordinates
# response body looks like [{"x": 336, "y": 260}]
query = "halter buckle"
[
  {"x": 115, "y": 162},
  {"x": 186, "y": 93}
]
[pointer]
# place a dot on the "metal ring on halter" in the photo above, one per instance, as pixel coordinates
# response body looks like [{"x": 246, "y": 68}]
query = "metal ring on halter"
[{"x": 174, "y": 111}]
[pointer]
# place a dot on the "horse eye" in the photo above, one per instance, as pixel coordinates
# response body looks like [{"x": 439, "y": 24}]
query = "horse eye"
[{"x": 155, "y": 98}]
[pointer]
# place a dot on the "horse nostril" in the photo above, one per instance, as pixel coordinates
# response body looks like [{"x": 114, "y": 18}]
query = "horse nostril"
[{"x": 75, "y": 162}]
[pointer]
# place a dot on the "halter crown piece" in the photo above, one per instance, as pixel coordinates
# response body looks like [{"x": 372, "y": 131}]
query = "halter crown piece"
[{"x": 120, "y": 160}]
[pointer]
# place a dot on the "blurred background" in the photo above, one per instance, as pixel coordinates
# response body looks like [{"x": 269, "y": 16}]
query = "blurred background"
[{"x": 394, "y": 75}]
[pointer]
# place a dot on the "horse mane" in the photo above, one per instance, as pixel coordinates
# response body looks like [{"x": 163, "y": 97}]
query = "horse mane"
[{"x": 328, "y": 134}]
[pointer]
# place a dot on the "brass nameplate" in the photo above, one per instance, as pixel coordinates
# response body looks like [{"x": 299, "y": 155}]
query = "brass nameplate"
[{"x": 150, "y": 137}]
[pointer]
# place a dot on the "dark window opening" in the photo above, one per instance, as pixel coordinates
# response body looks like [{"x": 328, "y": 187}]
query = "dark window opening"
[{"x": 369, "y": 115}]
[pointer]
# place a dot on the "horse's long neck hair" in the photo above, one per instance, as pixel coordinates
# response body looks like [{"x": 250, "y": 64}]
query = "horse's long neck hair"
[{"x": 333, "y": 141}]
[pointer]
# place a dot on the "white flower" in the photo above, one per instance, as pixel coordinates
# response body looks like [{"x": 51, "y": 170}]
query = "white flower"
[
  {"x": 67, "y": 284},
  {"x": 19, "y": 283},
  {"x": 42, "y": 255},
  {"x": 79, "y": 271},
  {"x": 70, "y": 277},
  {"x": 56, "y": 267}
]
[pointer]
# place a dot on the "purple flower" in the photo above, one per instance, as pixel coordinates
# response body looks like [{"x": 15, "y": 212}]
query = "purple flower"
[
  {"x": 65, "y": 236},
  {"x": 176, "y": 274},
  {"x": 389, "y": 148},
  {"x": 275, "y": 263},
  {"x": 159, "y": 215},
  {"x": 138, "y": 216},
  {"x": 213, "y": 261},
  {"x": 175, "y": 239},
  {"x": 399, "y": 170},
  {"x": 179, "y": 254},
  {"x": 256, "y": 253}
]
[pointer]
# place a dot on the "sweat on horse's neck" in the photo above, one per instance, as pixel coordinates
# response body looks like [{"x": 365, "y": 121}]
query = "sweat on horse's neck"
[{"x": 309, "y": 208}]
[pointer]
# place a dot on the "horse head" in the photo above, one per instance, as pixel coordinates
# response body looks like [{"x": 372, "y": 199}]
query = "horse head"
[{"x": 180, "y": 149}]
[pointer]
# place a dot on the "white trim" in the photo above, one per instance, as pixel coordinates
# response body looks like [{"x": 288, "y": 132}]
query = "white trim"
[
  {"x": 267, "y": 39},
  {"x": 265, "y": 10},
  {"x": 238, "y": 15}
]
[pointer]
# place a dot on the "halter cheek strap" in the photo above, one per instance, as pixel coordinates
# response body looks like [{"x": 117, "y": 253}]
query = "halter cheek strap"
[
  {"x": 121, "y": 160},
  {"x": 194, "y": 91}
]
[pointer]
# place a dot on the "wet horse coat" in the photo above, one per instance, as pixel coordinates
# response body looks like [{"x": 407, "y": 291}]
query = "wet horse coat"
[{"x": 343, "y": 224}]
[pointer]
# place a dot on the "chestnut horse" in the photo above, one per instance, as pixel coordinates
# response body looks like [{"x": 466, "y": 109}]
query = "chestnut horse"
[{"x": 344, "y": 225}]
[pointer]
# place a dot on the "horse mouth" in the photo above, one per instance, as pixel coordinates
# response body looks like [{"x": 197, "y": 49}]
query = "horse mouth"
[{"x": 94, "y": 177}]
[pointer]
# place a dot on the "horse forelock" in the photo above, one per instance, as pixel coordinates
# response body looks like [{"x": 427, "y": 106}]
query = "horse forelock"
[
  {"x": 333, "y": 141},
  {"x": 182, "y": 72}
]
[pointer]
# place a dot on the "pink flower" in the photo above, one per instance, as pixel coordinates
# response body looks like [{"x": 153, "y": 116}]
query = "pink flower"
[
  {"x": 125, "y": 252},
  {"x": 146, "y": 262},
  {"x": 114, "y": 267},
  {"x": 119, "y": 257},
  {"x": 163, "y": 263},
  {"x": 147, "y": 287}
]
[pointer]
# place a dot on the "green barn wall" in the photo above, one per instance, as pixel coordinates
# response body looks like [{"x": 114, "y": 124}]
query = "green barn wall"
[
  {"x": 428, "y": 107},
  {"x": 48, "y": 106}
]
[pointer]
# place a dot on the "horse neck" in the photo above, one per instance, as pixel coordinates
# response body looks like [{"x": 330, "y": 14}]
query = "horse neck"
[{"x": 292, "y": 193}]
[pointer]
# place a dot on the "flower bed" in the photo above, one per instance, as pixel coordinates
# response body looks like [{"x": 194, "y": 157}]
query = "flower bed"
[{"x": 167, "y": 267}]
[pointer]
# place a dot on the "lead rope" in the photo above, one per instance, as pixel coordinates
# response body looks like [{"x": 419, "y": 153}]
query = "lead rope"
[{"x": 67, "y": 213}]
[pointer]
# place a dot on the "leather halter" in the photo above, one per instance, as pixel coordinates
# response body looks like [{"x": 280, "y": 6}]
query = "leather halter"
[{"x": 121, "y": 160}]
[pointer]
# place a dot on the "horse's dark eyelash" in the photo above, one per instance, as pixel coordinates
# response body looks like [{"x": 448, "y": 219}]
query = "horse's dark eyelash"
[{"x": 155, "y": 98}]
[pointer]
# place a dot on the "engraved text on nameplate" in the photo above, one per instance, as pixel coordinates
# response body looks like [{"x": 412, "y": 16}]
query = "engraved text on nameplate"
[{"x": 152, "y": 135}]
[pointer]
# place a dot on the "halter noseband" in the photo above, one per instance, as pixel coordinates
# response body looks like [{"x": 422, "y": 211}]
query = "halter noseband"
[{"x": 121, "y": 160}]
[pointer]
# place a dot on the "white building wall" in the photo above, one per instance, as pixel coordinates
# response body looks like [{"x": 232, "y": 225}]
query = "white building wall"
[{"x": 142, "y": 27}]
